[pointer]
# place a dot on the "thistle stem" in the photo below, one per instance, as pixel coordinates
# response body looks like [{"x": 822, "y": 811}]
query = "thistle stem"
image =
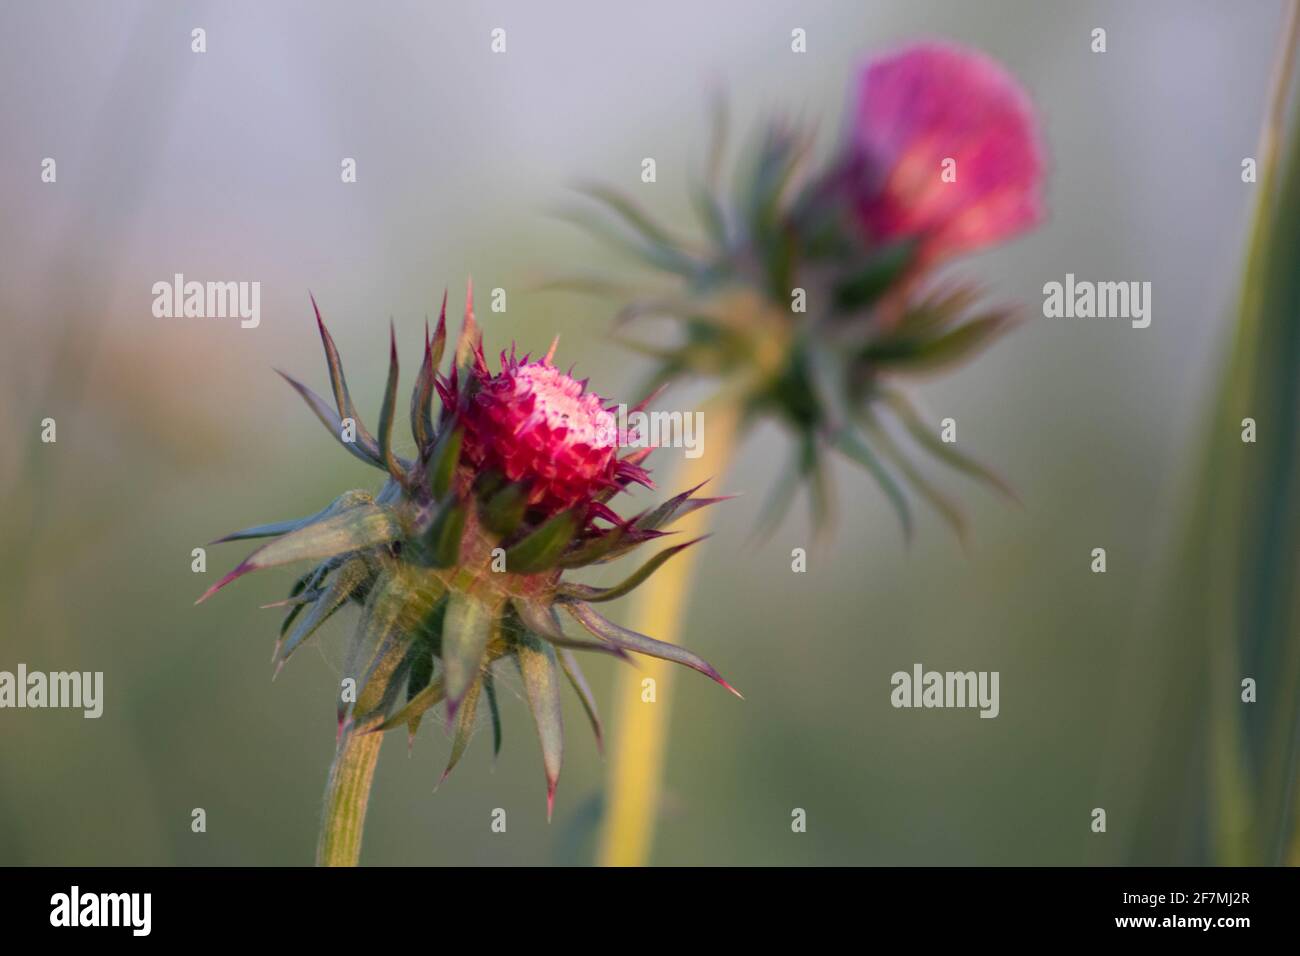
[
  {"x": 637, "y": 750},
  {"x": 346, "y": 795}
]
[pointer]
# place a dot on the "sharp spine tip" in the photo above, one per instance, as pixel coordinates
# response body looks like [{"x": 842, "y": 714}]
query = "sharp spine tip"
[{"x": 221, "y": 584}]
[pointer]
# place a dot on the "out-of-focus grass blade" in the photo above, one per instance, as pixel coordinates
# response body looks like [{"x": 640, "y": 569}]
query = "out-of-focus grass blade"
[{"x": 1230, "y": 608}]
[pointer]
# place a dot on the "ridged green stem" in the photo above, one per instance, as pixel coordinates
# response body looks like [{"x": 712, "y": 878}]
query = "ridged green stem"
[{"x": 346, "y": 797}]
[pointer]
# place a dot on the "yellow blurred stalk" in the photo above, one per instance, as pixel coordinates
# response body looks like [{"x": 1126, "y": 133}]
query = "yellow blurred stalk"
[{"x": 635, "y": 788}]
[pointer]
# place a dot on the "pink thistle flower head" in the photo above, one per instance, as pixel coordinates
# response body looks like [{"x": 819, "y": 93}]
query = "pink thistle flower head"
[
  {"x": 934, "y": 102},
  {"x": 461, "y": 561},
  {"x": 537, "y": 425}
]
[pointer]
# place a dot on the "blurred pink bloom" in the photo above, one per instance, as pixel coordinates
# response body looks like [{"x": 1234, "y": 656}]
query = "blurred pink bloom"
[{"x": 935, "y": 101}]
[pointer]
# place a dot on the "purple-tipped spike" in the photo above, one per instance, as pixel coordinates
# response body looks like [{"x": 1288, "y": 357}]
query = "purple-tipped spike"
[{"x": 239, "y": 572}]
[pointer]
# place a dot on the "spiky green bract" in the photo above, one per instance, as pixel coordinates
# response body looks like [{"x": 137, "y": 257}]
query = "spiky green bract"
[
  {"x": 458, "y": 569},
  {"x": 787, "y": 304}
]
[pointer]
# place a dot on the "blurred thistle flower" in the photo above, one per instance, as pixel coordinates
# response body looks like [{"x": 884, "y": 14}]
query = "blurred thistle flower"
[
  {"x": 932, "y": 104},
  {"x": 459, "y": 561},
  {"x": 811, "y": 298}
]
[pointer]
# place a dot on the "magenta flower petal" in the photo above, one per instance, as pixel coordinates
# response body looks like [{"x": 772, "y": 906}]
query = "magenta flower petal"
[
  {"x": 534, "y": 423},
  {"x": 929, "y": 103}
]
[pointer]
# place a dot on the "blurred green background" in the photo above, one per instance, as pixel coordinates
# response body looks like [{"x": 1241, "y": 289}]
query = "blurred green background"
[{"x": 225, "y": 166}]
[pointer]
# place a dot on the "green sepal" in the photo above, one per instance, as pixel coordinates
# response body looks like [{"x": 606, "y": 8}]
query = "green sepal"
[
  {"x": 365, "y": 639},
  {"x": 942, "y": 450},
  {"x": 779, "y": 263},
  {"x": 542, "y": 548},
  {"x": 490, "y": 687},
  {"x": 537, "y": 617},
  {"x": 936, "y": 311},
  {"x": 537, "y": 667},
  {"x": 359, "y": 528},
  {"x": 441, "y": 543},
  {"x": 387, "y": 412},
  {"x": 545, "y": 623},
  {"x": 422, "y": 401},
  {"x": 947, "y": 508},
  {"x": 439, "y": 342},
  {"x": 415, "y": 708},
  {"x": 593, "y": 549},
  {"x": 463, "y": 727},
  {"x": 466, "y": 628},
  {"x": 470, "y": 338},
  {"x": 383, "y": 634},
  {"x": 647, "y": 526},
  {"x": 902, "y": 354},
  {"x": 572, "y": 670},
  {"x": 643, "y": 239},
  {"x": 877, "y": 276},
  {"x": 334, "y": 424},
  {"x": 707, "y": 207},
  {"x": 632, "y": 214},
  {"x": 504, "y": 509},
  {"x": 422, "y": 661},
  {"x": 630, "y": 640},
  {"x": 814, "y": 473},
  {"x": 385, "y": 680},
  {"x": 678, "y": 506},
  {"x": 855, "y": 448},
  {"x": 349, "y": 499},
  {"x": 424, "y": 688},
  {"x": 778, "y": 157},
  {"x": 300, "y": 600},
  {"x": 779, "y": 497},
  {"x": 420, "y": 675},
  {"x": 345, "y": 582},
  {"x": 288, "y": 620},
  {"x": 443, "y": 460},
  {"x": 342, "y": 398},
  {"x": 305, "y": 582},
  {"x": 396, "y": 614},
  {"x": 583, "y": 592}
]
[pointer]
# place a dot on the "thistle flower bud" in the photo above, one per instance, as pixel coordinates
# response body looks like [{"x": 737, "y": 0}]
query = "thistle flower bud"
[
  {"x": 537, "y": 425},
  {"x": 459, "y": 563}
]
